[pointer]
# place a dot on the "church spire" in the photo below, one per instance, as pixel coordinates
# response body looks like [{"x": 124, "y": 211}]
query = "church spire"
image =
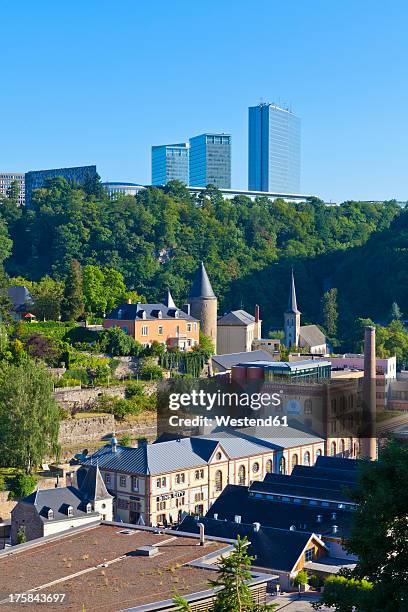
[
  {"x": 169, "y": 302},
  {"x": 292, "y": 303}
]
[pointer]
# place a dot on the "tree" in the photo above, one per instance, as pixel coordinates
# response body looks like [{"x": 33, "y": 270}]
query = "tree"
[
  {"x": 117, "y": 343},
  {"x": 21, "y": 535},
  {"x": 330, "y": 314},
  {"x": 233, "y": 573},
  {"x": 395, "y": 314},
  {"x": 22, "y": 485},
  {"x": 5, "y": 242},
  {"x": 5, "y": 303},
  {"x": 73, "y": 303},
  {"x": 379, "y": 538},
  {"x": 301, "y": 578},
  {"x": 47, "y": 295},
  {"x": 13, "y": 192},
  {"x": 206, "y": 345},
  {"x": 29, "y": 416}
]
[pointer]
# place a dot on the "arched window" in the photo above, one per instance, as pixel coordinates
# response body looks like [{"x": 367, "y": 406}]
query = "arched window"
[
  {"x": 342, "y": 448},
  {"x": 319, "y": 452},
  {"x": 282, "y": 465},
  {"x": 306, "y": 458},
  {"x": 295, "y": 460},
  {"x": 255, "y": 467},
  {"x": 218, "y": 480},
  {"x": 241, "y": 475},
  {"x": 333, "y": 449},
  {"x": 268, "y": 466}
]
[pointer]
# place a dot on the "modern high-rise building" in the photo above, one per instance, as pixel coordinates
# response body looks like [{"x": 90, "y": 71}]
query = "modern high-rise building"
[
  {"x": 6, "y": 180},
  {"x": 273, "y": 149},
  {"x": 210, "y": 160},
  {"x": 37, "y": 178},
  {"x": 170, "y": 163}
]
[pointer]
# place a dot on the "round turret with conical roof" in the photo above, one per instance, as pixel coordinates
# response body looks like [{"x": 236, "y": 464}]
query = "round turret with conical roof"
[{"x": 204, "y": 304}]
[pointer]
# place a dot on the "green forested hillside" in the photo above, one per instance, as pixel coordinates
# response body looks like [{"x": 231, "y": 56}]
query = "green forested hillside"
[{"x": 157, "y": 239}]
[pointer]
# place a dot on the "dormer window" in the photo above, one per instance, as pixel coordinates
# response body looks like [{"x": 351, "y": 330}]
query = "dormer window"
[
  {"x": 70, "y": 511},
  {"x": 159, "y": 314},
  {"x": 176, "y": 314},
  {"x": 50, "y": 514},
  {"x": 142, "y": 314},
  {"x": 88, "y": 508}
]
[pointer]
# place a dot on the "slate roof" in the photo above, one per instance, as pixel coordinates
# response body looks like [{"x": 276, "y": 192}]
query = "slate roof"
[
  {"x": 236, "y": 318},
  {"x": 313, "y": 482},
  {"x": 345, "y": 476},
  {"x": 201, "y": 287},
  {"x": 227, "y": 361},
  {"x": 312, "y": 335},
  {"x": 338, "y": 463},
  {"x": 235, "y": 499},
  {"x": 147, "y": 312},
  {"x": 90, "y": 487},
  {"x": 185, "y": 453},
  {"x": 293, "y": 489},
  {"x": 276, "y": 549}
]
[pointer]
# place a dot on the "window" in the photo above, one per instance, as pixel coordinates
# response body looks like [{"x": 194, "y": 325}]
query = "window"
[
  {"x": 199, "y": 497},
  {"x": 161, "y": 482},
  {"x": 145, "y": 330},
  {"x": 189, "y": 327},
  {"x": 88, "y": 508},
  {"x": 333, "y": 449},
  {"x": 342, "y": 448},
  {"x": 319, "y": 452},
  {"x": 122, "y": 481},
  {"x": 135, "y": 483},
  {"x": 282, "y": 465},
  {"x": 309, "y": 554},
  {"x": 160, "y": 330},
  {"x": 241, "y": 475},
  {"x": 107, "y": 478},
  {"x": 160, "y": 505},
  {"x": 269, "y": 466},
  {"x": 180, "y": 501},
  {"x": 180, "y": 478},
  {"x": 306, "y": 458},
  {"x": 255, "y": 467},
  {"x": 218, "y": 480},
  {"x": 199, "y": 474},
  {"x": 218, "y": 456},
  {"x": 70, "y": 511},
  {"x": 295, "y": 460}
]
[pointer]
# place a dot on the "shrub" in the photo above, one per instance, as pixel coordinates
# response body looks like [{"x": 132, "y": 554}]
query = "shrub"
[
  {"x": 134, "y": 389},
  {"x": 116, "y": 342},
  {"x": 315, "y": 581},
  {"x": 22, "y": 485},
  {"x": 125, "y": 440},
  {"x": 150, "y": 370},
  {"x": 301, "y": 579}
]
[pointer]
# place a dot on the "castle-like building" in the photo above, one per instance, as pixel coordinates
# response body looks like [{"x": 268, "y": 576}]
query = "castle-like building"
[{"x": 308, "y": 337}]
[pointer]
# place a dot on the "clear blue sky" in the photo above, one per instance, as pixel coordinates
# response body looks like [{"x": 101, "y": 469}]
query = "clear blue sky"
[{"x": 96, "y": 81}]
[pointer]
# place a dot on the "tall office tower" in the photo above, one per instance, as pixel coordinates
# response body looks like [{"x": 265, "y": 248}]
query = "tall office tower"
[
  {"x": 273, "y": 149},
  {"x": 6, "y": 180},
  {"x": 37, "y": 178},
  {"x": 170, "y": 163},
  {"x": 210, "y": 160}
]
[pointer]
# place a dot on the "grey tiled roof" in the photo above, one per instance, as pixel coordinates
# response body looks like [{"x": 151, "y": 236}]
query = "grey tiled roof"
[
  {"x": 312, "y": 335},
  {"x": 58, "y": 500},
  {"x": 148, "y": 312},
  {"x": 236, "y": 317},
  {"x": 186, "y": 453},
  {"x": 201, "y": 287}
]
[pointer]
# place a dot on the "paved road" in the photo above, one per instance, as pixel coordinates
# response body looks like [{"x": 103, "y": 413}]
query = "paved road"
[{"x": 291, "y": 603}]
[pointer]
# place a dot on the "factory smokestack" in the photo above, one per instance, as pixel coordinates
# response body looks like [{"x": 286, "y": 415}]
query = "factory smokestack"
[{"x": 369, "y": 441}]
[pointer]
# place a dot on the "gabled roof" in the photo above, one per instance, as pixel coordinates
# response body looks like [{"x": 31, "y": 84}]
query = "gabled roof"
[
  {"x": 235, "y": 499},
  {"x": 201, "y": 287},
  {"x": 90, "y": 483},
  {"x": 236, "y": 317},
  {"x": 292, "y": 303},
  {"x": 277, "y": 549},
  {"x": 148, "y": 312},
  {"x": 312, "y": 335}
]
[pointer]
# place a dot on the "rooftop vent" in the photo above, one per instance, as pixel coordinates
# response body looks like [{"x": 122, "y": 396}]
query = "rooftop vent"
[
  {"x": 126, "y": 532},
  {"x": 202, "y": 534},
  {"x": 335, "y": 528},
  {"x": 319, "y": 518},
  {"x": 216, "y": 516},
  {"x": 50, "y": 514},
  {"x": 237, "y": 518},
  {"x": 333, "y": 516},
  {"x": 292, "y": 528},
  {"x": 257, "y": 526},
  {"x": 147, "y": 551}
]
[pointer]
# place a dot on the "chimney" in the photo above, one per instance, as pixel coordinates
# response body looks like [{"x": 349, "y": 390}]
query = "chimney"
[
  {"x": 335, "y": 528},
  {"x": 114, "y": 444},
  {"x": 215, "y": 517},
  {"x": 369, "y": 441},
  {"x": 257, "y": 526},
  {"x": 320, "y": 518},
  {"x": 256, "y": 313},
  {"x": 187, "y": 308},
  {"x": 202, "y": 534},
  {"x": 237, "y": 518},
  {"x": 257, "y": 330}
]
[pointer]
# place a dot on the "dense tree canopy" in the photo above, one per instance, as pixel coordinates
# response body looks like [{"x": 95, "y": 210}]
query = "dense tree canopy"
[{"x": 157, "y": 238}]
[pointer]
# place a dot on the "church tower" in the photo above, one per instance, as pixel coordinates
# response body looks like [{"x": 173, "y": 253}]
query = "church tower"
[
  {"x": 292, "y": 318},
  {"x": 203, "y": 303}
]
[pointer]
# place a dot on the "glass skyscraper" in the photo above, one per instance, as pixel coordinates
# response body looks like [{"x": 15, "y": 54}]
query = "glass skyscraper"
[
  {"x": 210, "y": 160},
  {"x": 273, "y": 149},
  {"x": 170, "y": 163}
]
